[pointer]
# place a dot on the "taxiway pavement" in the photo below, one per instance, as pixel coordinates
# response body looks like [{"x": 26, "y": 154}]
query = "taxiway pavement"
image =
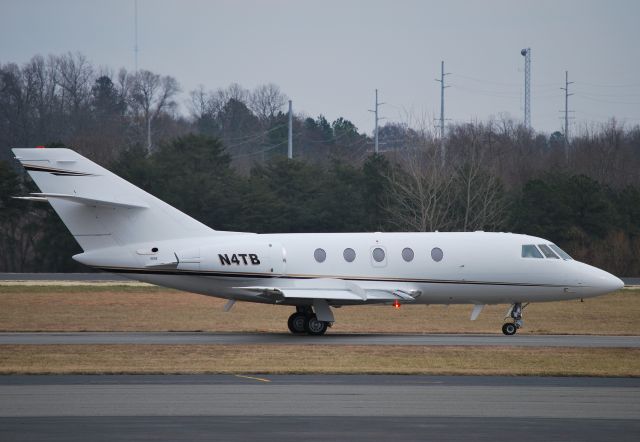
[{"x": 226, "y": 407}]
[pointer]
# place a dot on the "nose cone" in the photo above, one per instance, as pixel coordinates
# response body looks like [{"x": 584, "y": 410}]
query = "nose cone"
[
  {"x": 614, "y": 283},
  {"x": 604, "y": 282},
  {"x": 594, "y": 281}
]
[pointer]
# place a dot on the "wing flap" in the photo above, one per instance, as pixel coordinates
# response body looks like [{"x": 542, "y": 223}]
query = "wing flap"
[
  {"x": 286, "y": 293},
  {"x": 375, "y": 295}
]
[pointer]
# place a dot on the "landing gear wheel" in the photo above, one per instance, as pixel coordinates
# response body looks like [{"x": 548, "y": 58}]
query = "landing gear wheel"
[
  {"x": 314, "y": 326},
  {"x": 296, "y": 323},
  {"x": 509, "y": 329}
]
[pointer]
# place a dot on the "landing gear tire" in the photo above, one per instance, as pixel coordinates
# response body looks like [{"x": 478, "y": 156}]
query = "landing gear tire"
[
  {"x": 296, "y": 323},
  {"x": 509, "y": 329},
  {"x": 314, "y": 326}
]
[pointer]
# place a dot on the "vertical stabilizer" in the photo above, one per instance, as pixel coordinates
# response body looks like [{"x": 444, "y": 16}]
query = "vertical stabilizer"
[{"x": 99, "y": 208}]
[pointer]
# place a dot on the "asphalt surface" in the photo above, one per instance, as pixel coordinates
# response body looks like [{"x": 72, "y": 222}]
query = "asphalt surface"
[
  {"x": 283, "y": 408},
  {"x": 328, "y": 339}
]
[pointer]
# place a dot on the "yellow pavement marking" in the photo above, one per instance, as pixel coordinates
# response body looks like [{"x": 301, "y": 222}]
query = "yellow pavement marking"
[{"x": 254, "y": 378}]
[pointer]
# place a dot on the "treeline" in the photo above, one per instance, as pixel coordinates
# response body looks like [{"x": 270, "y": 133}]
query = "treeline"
[{"x": 225, "y": 165}]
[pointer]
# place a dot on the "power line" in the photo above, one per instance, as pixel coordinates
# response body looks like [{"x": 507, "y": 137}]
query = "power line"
[
  {"x": 589, "y": 97},
  {"x": 249, "y": 139},
  {"x": 258, "y": 152},
  {"x": 500, "y": 83},
  {"x": 610, "y": 85}
]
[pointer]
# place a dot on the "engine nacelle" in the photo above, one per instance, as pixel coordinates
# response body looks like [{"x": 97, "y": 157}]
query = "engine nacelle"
[{"x": 251, "y": 257}]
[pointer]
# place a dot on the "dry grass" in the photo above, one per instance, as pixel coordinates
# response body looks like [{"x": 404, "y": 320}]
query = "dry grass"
[
  {"x": 132, "y": 308},
  {"x": 248, "y": 359}
]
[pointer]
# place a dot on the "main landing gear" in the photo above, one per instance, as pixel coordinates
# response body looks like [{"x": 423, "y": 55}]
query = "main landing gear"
[
  {"x": 510, "y": 328},
  {"x": 304, "y": 320}
]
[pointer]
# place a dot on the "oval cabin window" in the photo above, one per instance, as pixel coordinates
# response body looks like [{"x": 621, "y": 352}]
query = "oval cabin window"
[
  {"x": 378, "y": 254},
  {"x": 320, "y": 255},
  {"x": 407, "y": 254},
  {"x": 349, "y": 255},
  {"x": 436, "y": 254}
]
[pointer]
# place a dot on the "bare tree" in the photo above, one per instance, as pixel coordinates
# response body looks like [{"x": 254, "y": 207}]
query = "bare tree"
[
  {"x": 233, "y": 91},
  {"x": 266, "y": 101},
  {"x": 151, "y": 95},
  {"x": 74, "y": 75},
  {"x": 479, "y": 191},
  {"x": 420, "y": 194},
  {"x": 198, "y": 103}
]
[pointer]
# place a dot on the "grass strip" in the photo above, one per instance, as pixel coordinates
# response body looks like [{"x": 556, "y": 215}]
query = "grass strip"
[
  {"x": 321, "y": 359},
  {"x": 59, "y": 309}
]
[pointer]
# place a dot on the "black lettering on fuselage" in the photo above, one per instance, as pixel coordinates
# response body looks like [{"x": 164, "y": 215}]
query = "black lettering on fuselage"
[{"x": 226, "y": 261}]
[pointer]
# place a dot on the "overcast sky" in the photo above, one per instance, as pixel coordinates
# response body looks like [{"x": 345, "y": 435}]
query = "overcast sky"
[{"x": 328, "y": 56}]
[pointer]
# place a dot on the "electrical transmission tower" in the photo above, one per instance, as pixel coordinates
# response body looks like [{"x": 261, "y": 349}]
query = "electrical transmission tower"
[
  {"x": 526, "y": 53},
  {"x": 135, "y": 34},
  {"x": 566, "y": 113},
  {"x": 377, "y": 119},
  {"x": 290, "y": 134},
  {"x": 442, "y": 88}
]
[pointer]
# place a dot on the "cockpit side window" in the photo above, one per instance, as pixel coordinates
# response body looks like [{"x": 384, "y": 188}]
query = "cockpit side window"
[
  {"x": 564, "y": 255},
  {"x": 530, "y": 251},
  {"x": 548, "y": 253}
]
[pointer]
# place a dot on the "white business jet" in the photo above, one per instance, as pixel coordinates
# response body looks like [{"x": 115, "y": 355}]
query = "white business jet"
[{"x": 123, "y": 229}]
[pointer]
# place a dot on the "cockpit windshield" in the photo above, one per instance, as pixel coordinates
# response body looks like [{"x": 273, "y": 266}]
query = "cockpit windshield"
[
  {"x": 531, "y": 251},
  {"x": 564, "y": 255},
  {"x": 548, "y": 253}
]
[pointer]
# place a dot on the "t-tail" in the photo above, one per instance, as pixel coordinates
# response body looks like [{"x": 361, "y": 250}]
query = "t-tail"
[{"x": 99, "y": 208}]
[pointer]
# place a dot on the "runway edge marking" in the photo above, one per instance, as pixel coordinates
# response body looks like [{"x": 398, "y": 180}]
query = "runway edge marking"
[{"x": 252, "y": 377}]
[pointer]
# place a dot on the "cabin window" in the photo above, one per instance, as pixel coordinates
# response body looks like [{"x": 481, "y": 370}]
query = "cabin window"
[
  {"x": 349, "y": 255},
  {"x": 437, "y": 254},
  {"x": 548, "y": 253},
  {"x": 378, "y": 254},
  {"x": 531, "y": 251},
  {"x": 320, "y": 255},
  {"x": 564, "y": 255},
  {"x": 407, "y": 254}
]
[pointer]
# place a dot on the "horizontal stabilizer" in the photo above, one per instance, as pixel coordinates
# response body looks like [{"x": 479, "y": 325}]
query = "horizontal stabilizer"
[
  {"x": 30, "y": 198},
  {"x": 91, "y": 201}
]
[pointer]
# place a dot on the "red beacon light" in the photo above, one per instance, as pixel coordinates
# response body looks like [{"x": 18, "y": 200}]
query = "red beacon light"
[
  {"x": 39, "y": 147},
  {"x": 396, "y": 304}
]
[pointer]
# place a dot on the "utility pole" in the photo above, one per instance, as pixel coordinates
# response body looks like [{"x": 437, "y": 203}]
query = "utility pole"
[
  {"x": 526, "y": 53},
  {"x": 566, "y": 113},
  {"x": 376, "y": 122},
  {"x": 442, "y": 88},
  {"x": 135, "y": 34},
  {"x": 290, "y": 150}
]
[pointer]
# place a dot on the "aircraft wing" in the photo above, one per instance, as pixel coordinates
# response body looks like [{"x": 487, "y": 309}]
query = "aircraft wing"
[{"x": 349, "y": 293}]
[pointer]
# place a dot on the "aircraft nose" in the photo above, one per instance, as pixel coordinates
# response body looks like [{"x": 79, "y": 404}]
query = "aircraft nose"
[{"x": 609, "y": 283}]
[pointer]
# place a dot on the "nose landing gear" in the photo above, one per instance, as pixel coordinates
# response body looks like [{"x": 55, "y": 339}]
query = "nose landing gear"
[{"x": 510, "y": 328}]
